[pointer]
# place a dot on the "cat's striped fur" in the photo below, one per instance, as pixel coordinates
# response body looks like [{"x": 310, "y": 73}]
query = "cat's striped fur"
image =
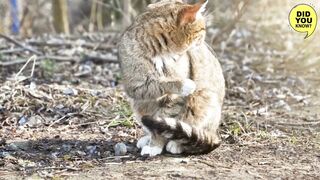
[{"x": 173, "y": 78}]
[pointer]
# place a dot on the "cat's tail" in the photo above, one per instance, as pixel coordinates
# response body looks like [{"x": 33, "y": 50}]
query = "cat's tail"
[{"x": 194, "y": 140}]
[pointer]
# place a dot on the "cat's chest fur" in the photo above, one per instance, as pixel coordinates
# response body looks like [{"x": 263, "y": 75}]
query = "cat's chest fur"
[{"x": 172, "y": 65}]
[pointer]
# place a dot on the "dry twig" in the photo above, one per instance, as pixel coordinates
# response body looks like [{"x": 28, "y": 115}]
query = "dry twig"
[
  {"x": 20, "y": 44},
  {"x": 32, "y": 58},
  {"x": 70, "y": 44}
]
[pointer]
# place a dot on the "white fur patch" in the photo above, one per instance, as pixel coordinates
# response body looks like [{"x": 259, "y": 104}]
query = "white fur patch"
[
  {"x": 188, "y": 87},
  {"x": 173, "y": 147},
  {"x": 171, "y": 122},
  {"x": 167, "y": 135},
  {"x": 143, "y": 141},
  {"x": 158, "y": 62},
  {"x": 151, "y": 151},
  {"x": 162, "y": 60},
  {"x": 186, "y": 128},
  {"x": 175, "y": 57}
]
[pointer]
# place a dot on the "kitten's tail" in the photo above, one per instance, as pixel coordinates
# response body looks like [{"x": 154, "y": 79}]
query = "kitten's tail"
[{"x": 195, "y": 141}]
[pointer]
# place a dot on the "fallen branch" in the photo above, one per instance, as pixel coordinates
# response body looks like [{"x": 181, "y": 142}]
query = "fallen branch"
[
  {"x": 313, "y": 124},
  {"x": 57, "y": 121},
  {"x": 94, "y": 59},
  {"x": 20, "y": 44},
  {"x": 58, "y": 168},
  {"x": 100, "y": 59},
  {"x": 73, "y": 44},
  {"x": 211, "y": 164},
  {"x": 13, "y": 62},
  {"x": 22, "y": 61},
  {"x": 11, "y": 51},
  {"x": 69, "y": 115},
  {"x": 59, "y": 58}
]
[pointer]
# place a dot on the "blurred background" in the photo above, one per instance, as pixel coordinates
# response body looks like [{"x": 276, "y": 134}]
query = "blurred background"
[
  {"x": 240, "y": 31},
  {"x": 262, "y": 26},
  {"x": 36, "y": 17}
]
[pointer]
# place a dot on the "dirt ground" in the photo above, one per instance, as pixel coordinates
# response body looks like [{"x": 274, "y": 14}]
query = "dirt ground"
[
  {"x": 277, "y": 145},
  {"x": 63, "y": 118}
]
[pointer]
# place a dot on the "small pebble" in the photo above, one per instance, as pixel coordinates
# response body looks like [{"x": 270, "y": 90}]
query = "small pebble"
[
  {"x": 5, "y": 155},
  {"x": 17, "y": 146},
  {"x": 70, "y": 92},
  {"x": 81, "y": 153},
  {"x": 95, "y": 93},
  {"x": 91, "y": 150},
  {"x": 2, "y": 109},
  {"x": 22, "y": 121},
  {"x": 34, "y": 121},
  {"x": 33, "y": 86},
  {"x": 12, "y": 147},
  {"x": 120, "y": 149},
  {"x": 60, "y": 106},
  {"x": 54, "y": 155},
  {"x": 66, "y": 147}
]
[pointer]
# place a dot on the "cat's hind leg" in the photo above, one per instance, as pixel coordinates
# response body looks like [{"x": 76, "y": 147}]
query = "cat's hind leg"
[{"x": 174, "y": 147}]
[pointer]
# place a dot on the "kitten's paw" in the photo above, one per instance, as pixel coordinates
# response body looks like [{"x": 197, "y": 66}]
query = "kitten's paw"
[
  {"x": 151, "y": 151},
  {"x": 143, "y": 141},
  {"x": 174, "y": 148},
  {"x": 188, "y": 87}
]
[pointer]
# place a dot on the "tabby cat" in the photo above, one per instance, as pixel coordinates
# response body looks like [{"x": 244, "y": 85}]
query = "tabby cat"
[{"x": 173, "y": 79}]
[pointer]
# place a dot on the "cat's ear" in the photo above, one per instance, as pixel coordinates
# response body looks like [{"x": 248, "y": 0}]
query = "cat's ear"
[{"x": 191, "y": 13}]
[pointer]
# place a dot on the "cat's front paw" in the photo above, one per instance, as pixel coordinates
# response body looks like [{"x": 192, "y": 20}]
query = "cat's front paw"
[
  {"x": 151, "y": 150},
  {"x": 174, "y": 147},
  {"x": 143, "y": 141},
  {"x": 188, "y": 87}
]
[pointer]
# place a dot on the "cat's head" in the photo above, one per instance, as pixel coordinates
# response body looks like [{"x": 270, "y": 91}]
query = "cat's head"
[{"x": 184, "y": 22}]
